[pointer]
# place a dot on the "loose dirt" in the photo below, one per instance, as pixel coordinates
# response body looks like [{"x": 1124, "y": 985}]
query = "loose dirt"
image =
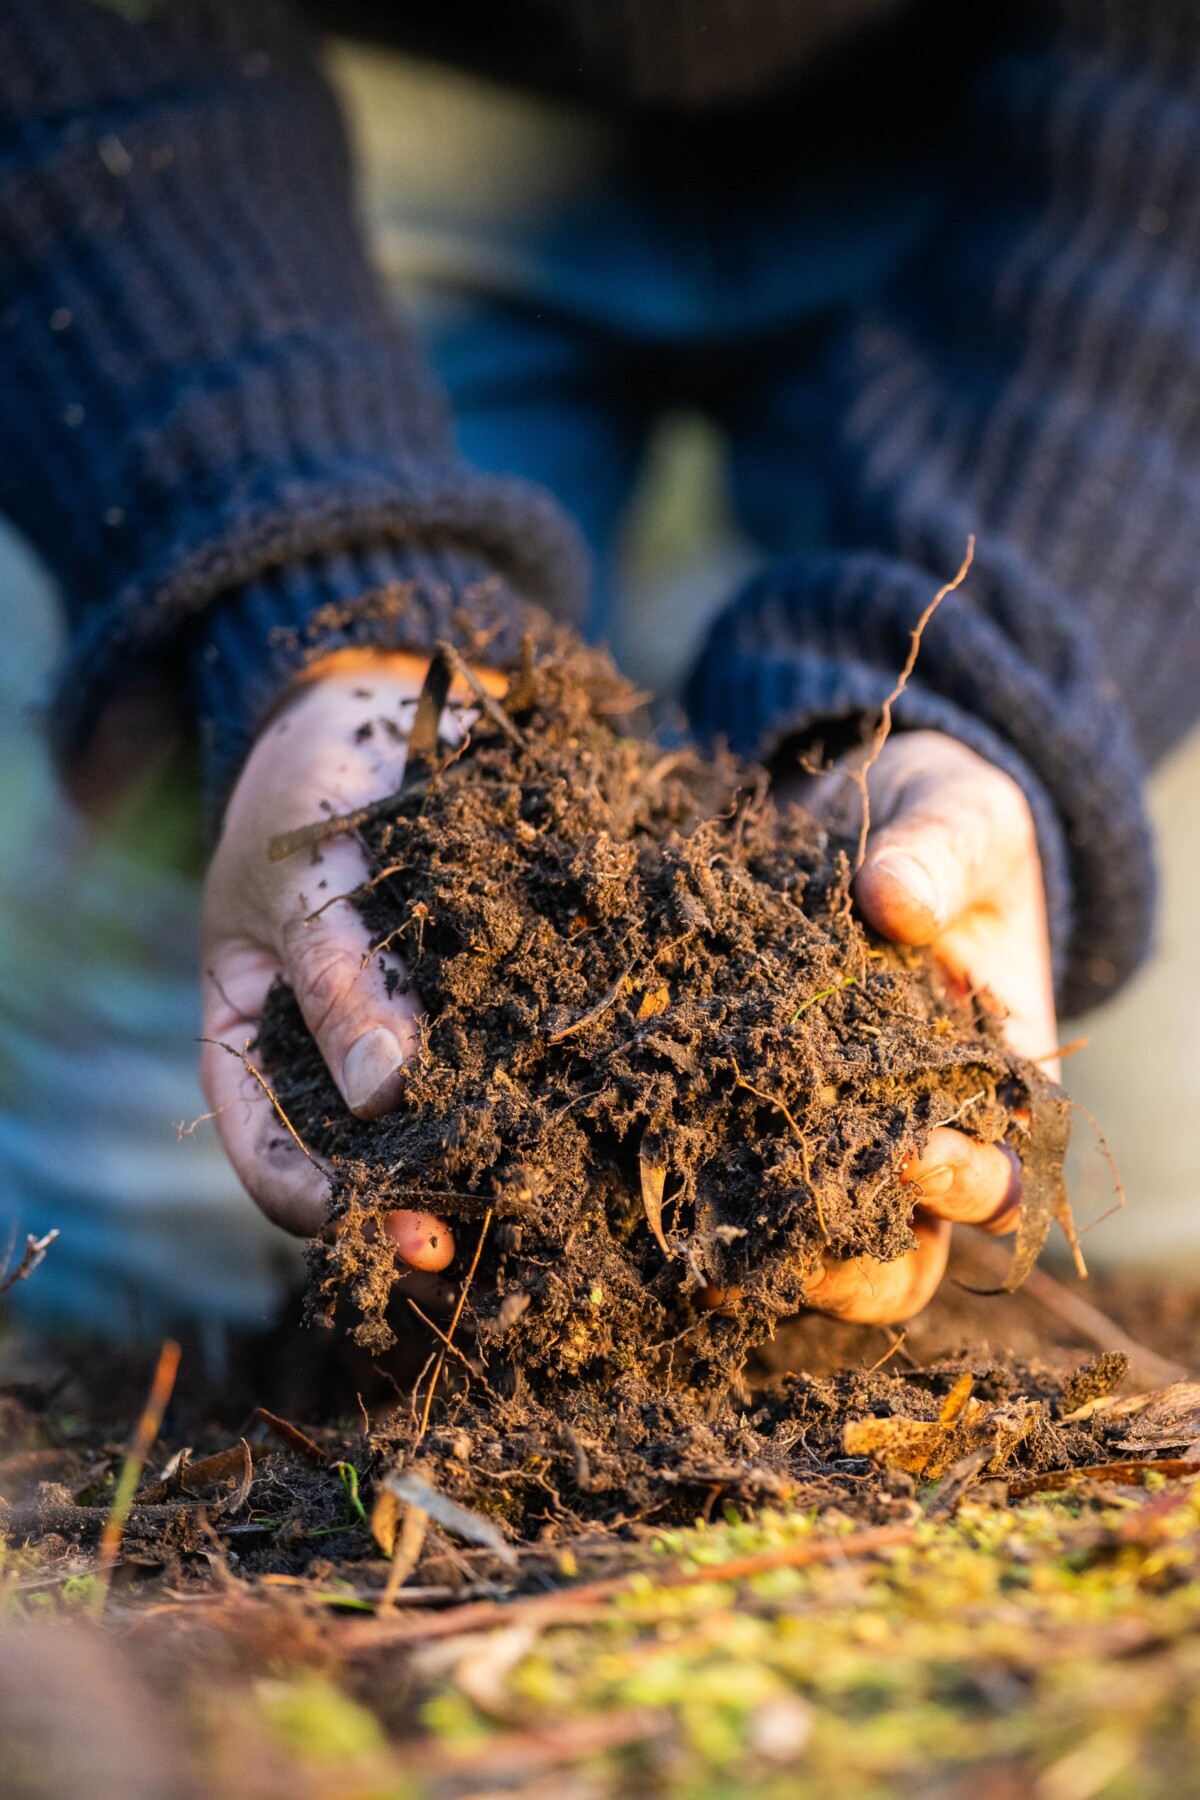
[{"x": 663, "y": 1072}]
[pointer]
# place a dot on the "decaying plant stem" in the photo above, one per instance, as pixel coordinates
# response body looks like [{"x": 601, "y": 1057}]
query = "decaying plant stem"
[{"x": 883, "y": 728}]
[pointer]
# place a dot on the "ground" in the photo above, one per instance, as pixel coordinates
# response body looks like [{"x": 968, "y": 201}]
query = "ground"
[
  {"x": 944, "y": 1636},
  {"x": 642, "y": 1531}
]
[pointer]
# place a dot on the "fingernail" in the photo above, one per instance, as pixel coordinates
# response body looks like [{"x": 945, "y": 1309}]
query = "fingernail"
[
  {"x": 1012, "y": 1193},
  {"x": 934, "y": 1183},
  {"x": 912, "y": 876},
  {"x": 368, "y": 1073}
]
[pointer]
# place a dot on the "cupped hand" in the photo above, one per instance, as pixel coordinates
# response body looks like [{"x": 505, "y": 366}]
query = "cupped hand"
[
  {"x": 328, "y": 750},
  {"x": 952, "y": 862}
]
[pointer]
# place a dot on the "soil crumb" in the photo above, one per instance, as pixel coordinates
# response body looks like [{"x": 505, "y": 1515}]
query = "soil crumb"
[{"x": 663, "y": 1072}]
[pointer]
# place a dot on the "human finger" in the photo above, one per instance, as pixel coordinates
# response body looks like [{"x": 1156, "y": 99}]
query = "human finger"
[
  {"x": 356, "y": 1003},
  {"x": 424, "y": 1241},
  {"x": 948, "y": 829},
  {"x": 864, "y": 1291},
  {"x": 957, "y": 1178},
  {"x": 290, "y": 1187}
]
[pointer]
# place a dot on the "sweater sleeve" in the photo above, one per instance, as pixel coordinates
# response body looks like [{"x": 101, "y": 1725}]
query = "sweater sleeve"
[
  {"x": 213, "y": 429},
  {"x": 1034, "y": 379}
]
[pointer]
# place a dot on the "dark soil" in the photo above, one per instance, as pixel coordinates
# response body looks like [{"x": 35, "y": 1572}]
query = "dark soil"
[{"x": 663, "y": 1072}]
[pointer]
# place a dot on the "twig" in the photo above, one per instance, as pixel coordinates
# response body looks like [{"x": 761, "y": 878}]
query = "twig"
[
  {"x": 293, "y": 1437},
  {"x": 1173, "y": 1468},
  {"x": 568, "y": 1603},
  {"x": 962, "y": 1109},
  {"x": 454, "y": 1350},
  {"x": 33, "y": 1258},
  {"x": 135, "y": 1461},
  {"x": 1061, "y": 1051},
  {"x": 269, "y": 1091},
  {"x": 322, "y": 831},
  {"x": 896, "y": 1344},
  {"x": 457, "y": 1315},
  {"x": 883, "y": 729},
  {"x": 1105, "y": 1151},
  {"x": 593, "y": 1013},
  {"x": 770, "y": 1099},
  {"x": 488, "y": 704},
  {"x": 845, "y": 982},
  {"x": 761, "y": 1094}
]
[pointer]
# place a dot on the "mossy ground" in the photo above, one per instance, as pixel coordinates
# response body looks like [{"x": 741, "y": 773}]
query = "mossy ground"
[
  {"x": 1052, "y": 1649},
  {"x": 994, "y": 1648}
]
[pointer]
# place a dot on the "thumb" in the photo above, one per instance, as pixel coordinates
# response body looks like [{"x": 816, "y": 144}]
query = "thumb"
[
  {"x": 950, "y": 827},
  {"x": 359, "y": 1010},
  {"x": 364, "y": 1033}
]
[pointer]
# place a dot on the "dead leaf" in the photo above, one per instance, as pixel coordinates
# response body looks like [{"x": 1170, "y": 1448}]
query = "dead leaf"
[
  {"x": 930, "y": 1447},
  {"x": 471, "y": 1526},
  {"x": 652, "y": 1160},
  {"x": 654, "y": 1001},
  {"x": 234, "y": 1502},
  {"x": 1164, "y": 1417},
  {"x": 385, "y": 1519},
  {"x": 592, "y": 1014},
  {"x": 956, "y": 1400}
]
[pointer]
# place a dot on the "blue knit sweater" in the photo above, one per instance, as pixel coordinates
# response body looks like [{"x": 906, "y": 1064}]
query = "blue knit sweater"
[{"x": 220, "y": 440}]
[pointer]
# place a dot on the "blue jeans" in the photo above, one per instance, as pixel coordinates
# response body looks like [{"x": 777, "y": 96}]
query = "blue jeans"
[{"x": 574, "y": 281}]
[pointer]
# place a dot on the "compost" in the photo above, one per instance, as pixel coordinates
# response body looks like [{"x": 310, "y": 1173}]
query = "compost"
[{"x": 663, "y": 1072}]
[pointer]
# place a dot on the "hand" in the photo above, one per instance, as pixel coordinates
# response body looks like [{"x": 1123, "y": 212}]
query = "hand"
[
  {"x": 952, "y": 862},
  {"x": 261, "y": 921}
]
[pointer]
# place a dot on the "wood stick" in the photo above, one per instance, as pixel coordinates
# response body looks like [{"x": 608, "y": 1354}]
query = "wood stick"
[
  {"x": 135, "y": 1461},
  {"x": 568, "y": 1603}
]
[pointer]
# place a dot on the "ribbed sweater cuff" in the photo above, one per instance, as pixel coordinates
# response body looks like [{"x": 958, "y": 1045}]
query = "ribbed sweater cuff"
[{"x": 249, "y": 648}]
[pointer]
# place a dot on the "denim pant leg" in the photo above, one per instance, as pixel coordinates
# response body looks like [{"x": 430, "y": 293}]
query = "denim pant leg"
[{"x": 552, "y": 402}]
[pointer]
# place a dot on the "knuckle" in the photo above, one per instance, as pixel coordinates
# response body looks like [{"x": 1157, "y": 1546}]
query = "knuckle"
[{"x": 324, "y": 976}]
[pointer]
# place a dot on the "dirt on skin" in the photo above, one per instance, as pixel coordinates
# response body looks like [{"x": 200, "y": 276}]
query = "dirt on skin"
[{"x": 663, "y": 1071}]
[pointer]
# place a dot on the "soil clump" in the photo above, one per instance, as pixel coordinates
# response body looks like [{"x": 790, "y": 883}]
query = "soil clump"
[{"x": 663, "y": 1072}]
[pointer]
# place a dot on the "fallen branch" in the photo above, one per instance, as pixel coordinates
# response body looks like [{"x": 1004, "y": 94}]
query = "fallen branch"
[
  {"x": 34, "y": 1519},
  {"x": 1131, "y": 1473}
]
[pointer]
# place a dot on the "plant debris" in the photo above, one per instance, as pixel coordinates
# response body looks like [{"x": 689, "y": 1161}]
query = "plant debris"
[{"x": 663, "y": 1071}]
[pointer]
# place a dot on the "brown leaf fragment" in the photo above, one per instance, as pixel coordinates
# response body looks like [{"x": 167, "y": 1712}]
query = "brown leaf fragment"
[
  {"x": 653, "y": 1002},
  {"x": 956, "y": 1400},
  {"x": 1160, "y": 1419},
  {"x": 408, "y": 1541},
  {"x": 472, "y": 1527},
  {"x": 235, "y": 1500},
  {"x": 593, "y": 1013},
  {"x": 930, "y": 1447},
  {"x": 652, "y": 1161},
  {"x": 192, "y": 1477},
  {"x": 292, "y": 1436},
  {"x": 385, "y": 1519},
  {"x": 1043, "y": 1186}
]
